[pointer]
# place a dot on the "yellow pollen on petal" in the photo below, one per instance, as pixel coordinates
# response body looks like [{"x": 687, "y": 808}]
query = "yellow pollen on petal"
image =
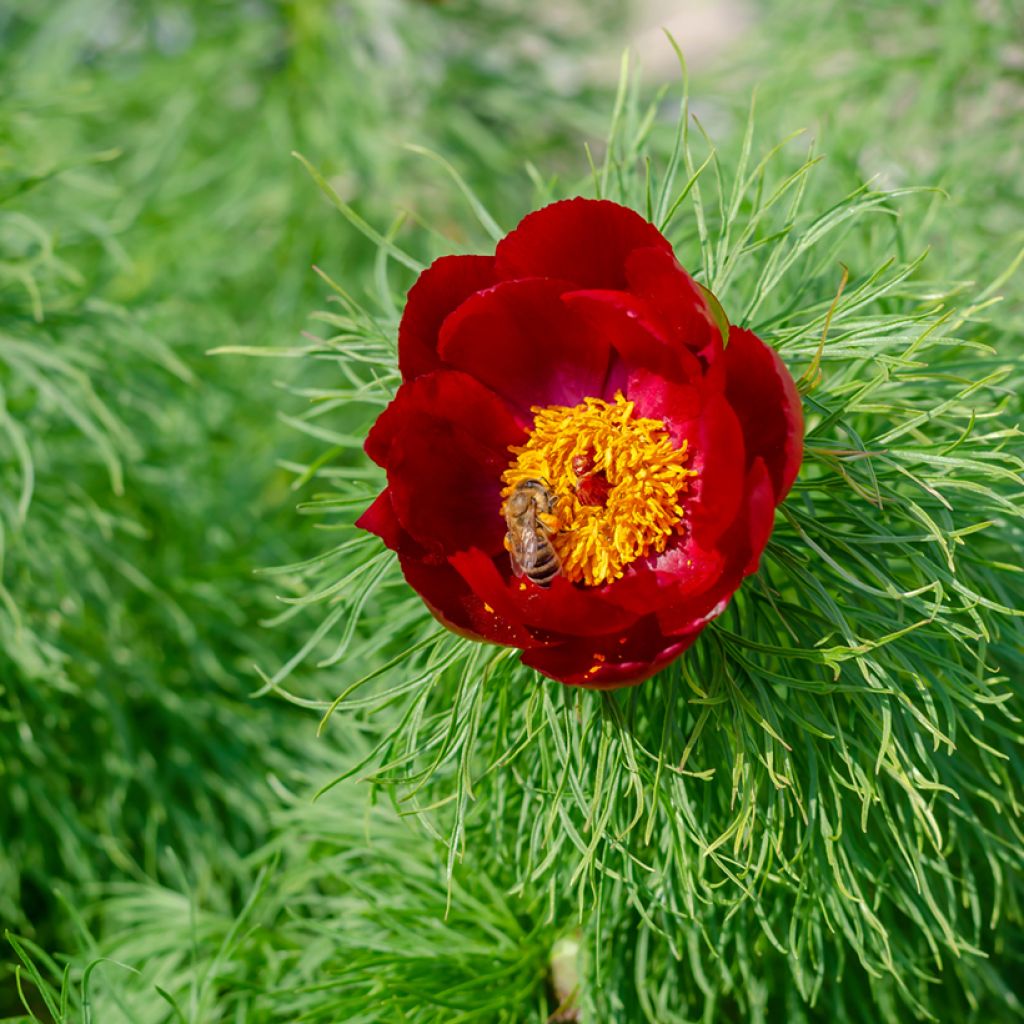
[{"x": 641, "y": 477}]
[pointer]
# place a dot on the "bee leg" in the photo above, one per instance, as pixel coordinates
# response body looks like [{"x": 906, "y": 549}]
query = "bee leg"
[{"x": 553, "y": 525}]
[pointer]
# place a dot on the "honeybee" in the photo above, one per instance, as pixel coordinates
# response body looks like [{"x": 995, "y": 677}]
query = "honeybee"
[{"x": 529, "y": 515}]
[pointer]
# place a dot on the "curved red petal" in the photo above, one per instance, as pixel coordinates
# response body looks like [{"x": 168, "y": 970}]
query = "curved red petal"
[
  {"x": 586, "y": 241},
  {"x": 690, "y": 617},
  {"x": 678, "y": 406},
  {"x": 447, "y": 439},
  {"x": 683, "y": 572},
  {"x": 657, "y": 277},
  {"x": 743, "y": 544},
  {"x": 636, "y": 336},
  {"x": 380, "y": 519},
  {"x": 707, "y": 423},
  {"x": 764, "y": 396},
  {"x": 380, "y": 436},
  {"x": 457, "y": 608},
  {"x": 760, "y": 503},
  {"x": 719, "y": 458},
  {"x": 607, "y": 663},
  {"x": 443, "y": 286},
  {"x": 556, "y": 612},
  {"x": 522, "y": 341}
]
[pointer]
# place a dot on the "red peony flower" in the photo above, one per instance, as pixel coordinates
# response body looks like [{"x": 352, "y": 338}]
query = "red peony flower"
[{"x": 659, "y": 440}]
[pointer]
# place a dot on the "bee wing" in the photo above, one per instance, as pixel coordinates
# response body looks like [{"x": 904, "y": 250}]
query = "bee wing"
[{"x": 524, "y": 551}]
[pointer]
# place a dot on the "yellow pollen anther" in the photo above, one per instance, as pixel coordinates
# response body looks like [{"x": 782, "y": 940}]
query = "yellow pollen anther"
[{"x": 619, "y": 480}]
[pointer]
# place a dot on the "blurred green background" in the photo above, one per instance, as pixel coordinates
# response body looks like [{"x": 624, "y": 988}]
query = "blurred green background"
[{"x": 151, "y": 211}]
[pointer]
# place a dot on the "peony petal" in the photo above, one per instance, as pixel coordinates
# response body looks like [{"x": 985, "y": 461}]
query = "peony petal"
[
  {"x": 587, "y": 241},
  {"x": 381, "y": 520},
  {"x": 559, "y": 611},
  {"x": 638, "y": 340},
  {"x": 760, "y": 504},
  {"x": 680, "y": 573},
  {"x": 606, "y": 663},
  {"x": 457, "y": 608},
  {"x": 678, "y": 406},
  {"x": 719, "y": 458},
  {"x": 443, "y": 286},
  {"x": 744, "y": 543},
  {"x": 381, "y": 435},
  {"x": 690, "y": 617},
  {"x": 444, "y": 442},
  {"x": 678, "y": 301},
  {"x": 762, "y": 391},
  {"x": 522, "y": 341},
  {"x": 708, "y": 424}
]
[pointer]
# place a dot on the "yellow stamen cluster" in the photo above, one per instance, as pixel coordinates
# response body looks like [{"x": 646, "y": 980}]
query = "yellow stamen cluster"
[{"x": 646, "y": 478}]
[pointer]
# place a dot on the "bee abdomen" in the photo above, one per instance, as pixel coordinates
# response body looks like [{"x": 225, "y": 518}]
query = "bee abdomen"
[{"x": 546, "y": 568}]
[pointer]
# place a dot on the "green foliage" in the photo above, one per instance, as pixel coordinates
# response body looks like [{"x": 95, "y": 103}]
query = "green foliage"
[
  {"x": 347, "y": 918},
  {"x": 939, "y": 105},
  {"x": 129, "y": 523}
]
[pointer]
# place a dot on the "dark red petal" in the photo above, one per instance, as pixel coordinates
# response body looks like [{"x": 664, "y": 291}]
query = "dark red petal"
[
  {"x": 637, "y": 338},
  {"x": 457, "y": 608},
  {"x": 743, "y": 544},
  {"x": 691, "y": 616},
  {"x": 657, "y": 277},
  {"x": 378, "y": 441},
  {"x": 445, "y": 284},
  {"x": 719, "y": 458},
  {"x": 380, "y": 519},
  {"x": 691, "y": 613},
  {"x": 678, "y": 406},
  {"x": 708, "y": 424},
  {"x": 560, "y": 610},
  {"x": 447, "y": 439},
  {"x": 760, "y": 504},
  {"x": 583, "y": 240},
  {"x": 606, "y": 663},
  {"x": 524, "y": 343},
  {"x": 762, "y": 391},
  {"x": 680, "y": 573},
  {"x": 409, "y": 399}
]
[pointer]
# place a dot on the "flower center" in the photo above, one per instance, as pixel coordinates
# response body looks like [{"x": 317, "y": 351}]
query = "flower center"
[{"x": 619, "y": 482}]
